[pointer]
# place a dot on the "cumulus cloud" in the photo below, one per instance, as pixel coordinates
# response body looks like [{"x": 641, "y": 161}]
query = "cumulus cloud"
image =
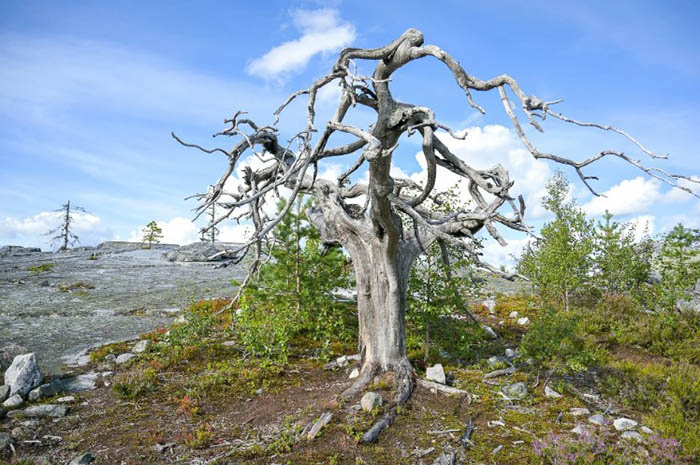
[
  {"x": 31, "y": 231},
  {"x": 495, "y": 254},
  {"x": 629, "y": 196},
  {"x": 322, "y": 31},
  {"x": 642, "y": 226}
]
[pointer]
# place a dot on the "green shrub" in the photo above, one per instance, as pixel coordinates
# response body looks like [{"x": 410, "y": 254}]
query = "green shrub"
[
  {"x": 135, "y": 383},
  {"x": 43, "y": 268},
  {"x": 554, "y": 338}
]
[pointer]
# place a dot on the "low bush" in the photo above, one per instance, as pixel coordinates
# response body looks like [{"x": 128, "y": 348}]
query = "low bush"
[{"x": 135, "y": 383}]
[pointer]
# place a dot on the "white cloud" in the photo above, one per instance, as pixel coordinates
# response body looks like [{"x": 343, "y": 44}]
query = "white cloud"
[
  {"x": 235, "y": 232},
  {"x": 31, "y": 231},
  {"x": 629, "y": 196},
  {"x": 677, "y": 195},
  {"x": 496, "y": 255},
  {"x": 643, "y": 226},
  {"x": 177, "y": 230},
  {"x": 322, "y": 31}
]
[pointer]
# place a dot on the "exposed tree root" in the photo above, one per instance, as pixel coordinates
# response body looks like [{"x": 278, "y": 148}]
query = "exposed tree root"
[
  {"x": 404, "y": 377},
  {"x": 366, "y": 374}
]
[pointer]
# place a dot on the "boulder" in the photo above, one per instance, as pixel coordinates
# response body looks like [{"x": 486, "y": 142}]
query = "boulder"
[
  {"x": 13, "y": 402},
  {"x": 632, "y": 435},
  {"x": 23, "y": 375},
  {"x": 549, "y": 392},
  {"x": 515, "y": 390},
  {"x": 45, "y": 411},
  {"x": 17, "y": 250},
  {"x": 624, "y": 424},
  {"x": 597, "y": 419},
  {"x": 123, "y": 358},
  {"x": 8, "y": 354},
  {"x": 436, "y": 373},
  {"x": 46, "y": 390},
  {"x": 202, "y": 252},
  {"x": 140, "y": 346},
  {"x": 370, "y": 401},
  {"x": 4, "y": 392}
]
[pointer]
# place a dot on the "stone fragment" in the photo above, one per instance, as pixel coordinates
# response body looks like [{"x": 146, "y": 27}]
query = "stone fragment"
[
  {"x": 489, "y": 304},
  {"x": 46, "y": 410},
  {"x": 370, "y": 401},
  {"x": 523, "y": 321},
  {"x": 4, "y": 392},
  {"x": 514, "y": 314},
  {"x": 354, "y": 373},
  {"x": 624, "y": 424},
  {"x": 597, "y": 419},
  {"x": 490, "y": 332},
  {"x": 66, "y": 400},
  {"x": 160, "y": 448},
  {"x": 140, "y": 346},
  {"x": 515, "y": 390},
  {"x": 446, "y": 458},
  {"x": 82, "y": 459},
  {"x": 632, "y": 435},
  {"x": 494, "y": 361},
  {"x": 579, "y": 411},
  {"x": 23, "y": 375},
  {"x": 646, "y": 430},
  {"x": 436, "y": 373},
  {"x": 549, "y": 392},
  {"x": 5, "y": 441},
  {"x": 512, "y": 354},
  {"x": 580, "y": 429},
  {"x": 123, "y": 358},
  {"x": 12, "y": 402},
  {"x": 46, "y": 390}
]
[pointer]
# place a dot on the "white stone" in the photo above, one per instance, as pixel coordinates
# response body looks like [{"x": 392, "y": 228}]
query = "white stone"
[
  {"x": 632, "y": 435},
  {"x": 580, "y": 429},
  {"x": 646, "y": 430},
  {"x": 523, "y": 321},
  {"x": 14, "y": 401},
  {"x": 549, "y": 392},
  {"x": 490, "y": 332},
  {"x": 23, "y": 375},
  {"x": 354, "y": 373},
  {"x": 435, "y": 373},
  {"x": 624, "y": 424},
  {"x": 370, "y": 401},
  {"x": 140, "y": 346},
  {"x": 579, "y": 411},
  {"x": 494, "y": 360},
  {"x": 514, "y": 314},
  {"x": 597, "y": 419},
  {"x": 510, "y": 353},
  {"x": 123, "y": 358},
  {"x": 489, "y": 304},
  {"x": 65, "y": 400}
]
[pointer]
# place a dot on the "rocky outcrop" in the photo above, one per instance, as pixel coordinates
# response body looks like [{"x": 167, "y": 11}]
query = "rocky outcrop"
[
  {"x": 16, "y": 250},
  {"x": 201, "y": 252}
]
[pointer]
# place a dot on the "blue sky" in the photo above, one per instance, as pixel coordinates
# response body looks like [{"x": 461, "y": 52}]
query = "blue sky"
[{"x": 89, "y": 92}]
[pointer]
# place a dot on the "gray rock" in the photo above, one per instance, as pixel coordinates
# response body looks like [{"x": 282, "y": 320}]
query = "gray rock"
[
  {"x": 46, "y": 390},
  {"x": 46, "y": 410},
  {"x": 512, "y": 354},
  {"x": 494, "y": 361},
  {"x": 201, "y": 252},
  {"x": 44, "y": 283},
  {"x": 515, "y": 390},
  {"x": 14, "y": 401},
  {"x": 80, "y": 383},
  {"x": 5, "y": 441},
  {"x": 549, "y": 392},
  {"x": 123, "y": 358},
  {"x": 436, "y": 373},
  {"x": 597, "y": 419},
  {"x": 160, "y": 448},
  {"x": 632, "y": 435},
  {"x": 17, "y": 250},
  {"x": 446, "y": 458},
  {"x": 513, "y": 314},
  {"x": 15, "y": 413},
  {"x": 370, "y": 401},
  {"x": 354, "y": 373},
  {"x": 523, "y": 321},
  {"x": 110, "y": 358},
  {"x": 490, "y": 332},
  {"x": 624, "y": 424},
  {"x": 646, "y": 430},
  {"x": 579, "y": 411},
  {"x": 82, "y": 459},
  {"x": 580, "y": 429},
  {"x": 66, "y": 400},
  {"x": 4, "y": 392},
  {"x": 23, "y": 375},
  {"x": 140, "y": 346}
]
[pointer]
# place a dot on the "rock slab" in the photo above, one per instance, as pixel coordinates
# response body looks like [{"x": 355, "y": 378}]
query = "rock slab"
[
  {"x": 436, "y": 373},
  {"x": 370, "y": 401},
  {"x": 624, "y": 424},
  {"x": 46, "y": 411},
  {"x": 515, "y": 390},
  {"x": 23, "y": 375},
  {"x": 12, "y": 402}
]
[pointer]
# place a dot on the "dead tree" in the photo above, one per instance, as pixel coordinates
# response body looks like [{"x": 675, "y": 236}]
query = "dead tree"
[
  {"x": 366, "y": 218},
  {"x": 209, "y": 232},
  {"x": 63, "y": 233}
]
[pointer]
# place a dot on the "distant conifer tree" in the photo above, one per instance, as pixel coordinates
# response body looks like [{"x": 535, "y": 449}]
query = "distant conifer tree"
[{"x": 64, "y": 233}]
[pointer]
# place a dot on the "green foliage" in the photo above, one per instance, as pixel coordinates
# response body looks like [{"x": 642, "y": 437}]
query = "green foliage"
[
  {"x": 620, "y": 264},
  {"x": 43, "y": 268},
  {"x": 294, "y": 292},
  {"x": 152, "y": 234},
  {"x": 679, "y": 265},
  {"x": 436, "y": 288},
  {"x": 554, "y": 339},
  {"x": 135, "y": 383},
  {"x": 559, "y": 264}
]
